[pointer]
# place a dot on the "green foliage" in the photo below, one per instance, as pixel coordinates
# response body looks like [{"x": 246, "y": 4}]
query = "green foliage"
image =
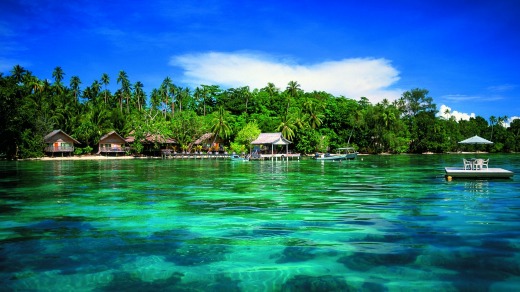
[
  {"x": 30, "y": 146},
  {"x": 314, "y": 121},
  {"x": 245, "y": 136},
  {"x": 238, "y": 147},
  {"x": 84, "y": 150}
]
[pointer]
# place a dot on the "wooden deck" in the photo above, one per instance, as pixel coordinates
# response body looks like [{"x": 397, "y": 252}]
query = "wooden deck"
[
  {"x": 491, "y": 173},
  {"x": 289, "y": 156},
  {"x": 169, "y": 154}
]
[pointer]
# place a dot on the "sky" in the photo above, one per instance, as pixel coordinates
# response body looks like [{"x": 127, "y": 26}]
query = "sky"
[{"x": 466, "y": 53}]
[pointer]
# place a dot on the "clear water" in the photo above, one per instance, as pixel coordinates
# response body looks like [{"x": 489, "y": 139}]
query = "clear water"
[{"x": 378, "y": 223}]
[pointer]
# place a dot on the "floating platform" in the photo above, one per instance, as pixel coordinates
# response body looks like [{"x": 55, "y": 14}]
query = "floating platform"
[{"x": 491, "y": 173}]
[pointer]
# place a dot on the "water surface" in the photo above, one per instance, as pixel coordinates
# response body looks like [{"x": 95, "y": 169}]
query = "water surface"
[{"x": 374, "y": 224}]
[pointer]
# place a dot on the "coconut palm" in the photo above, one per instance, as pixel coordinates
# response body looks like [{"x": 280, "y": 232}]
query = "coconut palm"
[
  {"x": 271, "y": 89},
  {"x": 287, "y": 127},
  {"x": 105, "y": 80},
  {"x": 165, "y": 93},
  {"x": 74, "y": 85},
  {"x": 125, "y": 89},
  {"x": 155, "y": 98},
  {"x": 18, "y": 73},
  {"x": 293, "y": 90},
  {"x": 139, "y": 94},
  {"x": 183, "y": 95},
  {"x": 220, "y": 127},
  {"x": 493, "y": 120},
  {"x": 58, "y": 74}
]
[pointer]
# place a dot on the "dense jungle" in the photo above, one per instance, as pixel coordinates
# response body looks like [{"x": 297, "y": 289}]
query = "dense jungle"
[{"x": 316, "y": 121}]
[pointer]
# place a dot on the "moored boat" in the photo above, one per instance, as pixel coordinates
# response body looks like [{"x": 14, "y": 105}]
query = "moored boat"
[
  {"x": 347, "y": 153},
  {"x": 236, "y": 157}
]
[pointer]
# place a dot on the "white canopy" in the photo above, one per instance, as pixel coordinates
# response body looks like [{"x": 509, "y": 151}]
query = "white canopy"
[
  {"x": 271, "y": 138},
  {"x": 475, "y": 140}
]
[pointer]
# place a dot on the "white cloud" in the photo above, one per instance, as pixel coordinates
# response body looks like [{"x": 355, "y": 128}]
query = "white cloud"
[
  {"x": 446, "y": 112},
  {"x": 460, "y": 97},
  {"x": 351, "y": 78},
  {"x": 502, "y": 87},
  {"x": 509, "y": 121}
]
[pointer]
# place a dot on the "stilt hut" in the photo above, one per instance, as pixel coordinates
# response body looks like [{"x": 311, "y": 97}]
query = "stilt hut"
[
  {"x": 267, "y": 146},
  {"x": 59, "y": 142},
  {"x": 112, "y": 143}
]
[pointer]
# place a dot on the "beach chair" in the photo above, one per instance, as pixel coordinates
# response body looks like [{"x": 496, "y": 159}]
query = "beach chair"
[
  {"x": 467, "y": 164},
  {"x": 478, "y": 163}
]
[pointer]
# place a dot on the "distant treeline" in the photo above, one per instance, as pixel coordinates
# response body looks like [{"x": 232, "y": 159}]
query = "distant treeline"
[{"x": 314, "y": 121}]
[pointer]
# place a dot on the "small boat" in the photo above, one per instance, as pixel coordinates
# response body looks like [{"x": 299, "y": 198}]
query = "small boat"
[
  {"x": 342, "y": 154},
  {"x": 236, "y": 157}
]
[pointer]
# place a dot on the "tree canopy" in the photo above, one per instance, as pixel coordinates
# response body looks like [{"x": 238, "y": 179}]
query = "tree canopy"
[{"x": 314, "y": 121}]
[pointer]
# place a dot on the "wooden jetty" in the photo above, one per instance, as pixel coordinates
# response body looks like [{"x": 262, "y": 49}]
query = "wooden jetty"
[
  {"x": 488, "y": 173},
  {"x": 216, "y": 155},
  {"x": 276, "y": 157}
]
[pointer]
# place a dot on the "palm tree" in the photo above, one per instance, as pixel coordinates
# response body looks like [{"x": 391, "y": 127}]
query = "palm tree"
[
  {"x": 58, "y": 74},
  {"x": 293, "y": 89},
  {"x": 125, "y": 89},
  {"x": 447, "y": 112},
  {"x": 96, "y": 87},
  {"x": 221, "y": 126},
  {"x": 312, "y": 110},
  {"x": 184, "y": 94},
  {"x": 74, "y": 84},
  {"x": 155, "y": 98},
  {"x": 105, "y": 80},
  {"x": 287, "y": 127},
  {"x": 139, "y": 94},
  {"x": 492, "y": 120},
  {"x": 18, "y": 73},
  {"x": 246, "y": 94},
  {"x": 173, "y": 93},
  {"x": 198, "y": 96},
  {"x": 165, "y": 92},
  {"x": 203, "y": 95},
  {"x": 271, "y": 89}
]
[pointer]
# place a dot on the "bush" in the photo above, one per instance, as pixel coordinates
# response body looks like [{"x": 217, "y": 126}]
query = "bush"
[{"x": 79, "y": 151}]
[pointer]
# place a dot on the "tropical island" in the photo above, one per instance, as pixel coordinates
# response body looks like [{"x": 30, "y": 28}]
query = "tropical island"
[{"x": 317, "y": 121}]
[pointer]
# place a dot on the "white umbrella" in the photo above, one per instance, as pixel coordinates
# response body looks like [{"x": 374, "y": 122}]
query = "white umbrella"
[{"x": 475, "y": 140}]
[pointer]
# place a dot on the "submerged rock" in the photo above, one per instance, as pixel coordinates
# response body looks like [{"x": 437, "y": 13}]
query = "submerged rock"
[{"x": 311, "y": 283}]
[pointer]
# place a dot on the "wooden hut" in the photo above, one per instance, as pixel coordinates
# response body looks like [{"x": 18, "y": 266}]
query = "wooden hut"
[
  {"x": 112, "y": 143},
  {"x": 271, "y": 145},
  {"x": 154, "y": 144},
  {"x": 58, "y": 141},
  {"x": 209, "y": 143}
]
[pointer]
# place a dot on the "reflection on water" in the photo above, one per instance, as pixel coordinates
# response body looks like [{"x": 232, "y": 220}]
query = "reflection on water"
[{"x": 380, "y": 223}]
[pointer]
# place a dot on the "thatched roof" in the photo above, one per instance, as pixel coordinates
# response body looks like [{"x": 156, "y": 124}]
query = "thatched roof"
[
  {"x": 203, "y": 138},
  {"x": 271, "y": 138},
  {"x": 151, "y": 138}
]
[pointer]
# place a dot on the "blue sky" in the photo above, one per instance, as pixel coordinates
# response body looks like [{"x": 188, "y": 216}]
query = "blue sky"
[{"x": 466, "y": 53}]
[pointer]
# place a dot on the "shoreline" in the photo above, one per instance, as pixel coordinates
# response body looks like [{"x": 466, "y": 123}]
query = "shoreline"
[
  {"x": 89, "y": 157},
  {"x": 100, "y": 157}
]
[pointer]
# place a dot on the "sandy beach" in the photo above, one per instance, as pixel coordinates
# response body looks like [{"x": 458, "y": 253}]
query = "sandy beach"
[{"x": 91, "y": 157}]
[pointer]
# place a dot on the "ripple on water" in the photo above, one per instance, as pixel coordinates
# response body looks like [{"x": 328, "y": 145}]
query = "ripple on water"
[{"x": 265, "y": 226}]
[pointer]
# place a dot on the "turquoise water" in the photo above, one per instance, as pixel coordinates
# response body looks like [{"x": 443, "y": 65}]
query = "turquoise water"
[{"x": 377, "y": 223}]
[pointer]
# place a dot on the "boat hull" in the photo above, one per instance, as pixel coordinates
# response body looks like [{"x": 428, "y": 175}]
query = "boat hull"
[
  {"x": 491, "y": 173},
  {"x": 235, "y": 157},
  {"x": 350, "y": 156}
]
